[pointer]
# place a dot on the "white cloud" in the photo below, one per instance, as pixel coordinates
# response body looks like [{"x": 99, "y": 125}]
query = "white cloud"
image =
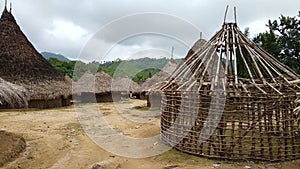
[
  {"x": 256, "y": 27},
  {"x": 65, "y": 30}
]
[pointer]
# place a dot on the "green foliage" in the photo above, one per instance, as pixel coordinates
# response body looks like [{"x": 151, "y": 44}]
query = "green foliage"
[
  {"x": 145, "y": 74},
  {"x": 269, "y": 42},
  {"x": 283, "y": 40},
  {"x": 138, "y": 70},
  {"x": 110, "y": 67},
  {"x": 131, "y": 68},
  {"x": 66, "y": 68},
  {"x": 247, "y": 32}
]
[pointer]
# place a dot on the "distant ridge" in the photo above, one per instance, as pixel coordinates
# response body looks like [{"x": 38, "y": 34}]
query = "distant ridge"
[{"x": 60, "y": 57}]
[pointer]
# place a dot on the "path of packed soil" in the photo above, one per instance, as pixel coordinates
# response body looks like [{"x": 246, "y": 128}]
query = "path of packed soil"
[{"x": 55, "y": 139}]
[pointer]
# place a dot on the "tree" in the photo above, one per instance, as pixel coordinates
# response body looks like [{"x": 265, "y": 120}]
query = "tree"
[
  {"x": 283, "y": 40},
  {"x": 269, "y": 42}
]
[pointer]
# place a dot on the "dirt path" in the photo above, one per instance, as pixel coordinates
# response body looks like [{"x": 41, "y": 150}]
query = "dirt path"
[{"x": 55, "y": 139}]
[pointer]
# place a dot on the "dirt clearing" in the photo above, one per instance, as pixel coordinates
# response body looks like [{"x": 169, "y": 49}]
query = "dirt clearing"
[{"x": 55, "y": 139}]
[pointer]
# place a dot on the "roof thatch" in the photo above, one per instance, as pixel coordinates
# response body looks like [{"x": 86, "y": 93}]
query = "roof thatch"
[
  {"x": 13, "y": 95},
  {"x": 69, "y": 79},
  {"x": 89, "y": 83},
  {"x": 123, "y": 84},
  {"x": 196, "y": 47},
  {"x": 160, "y": 77},
  {"x": 103, "y": 82},
  {"x": 21, "y": 64}
]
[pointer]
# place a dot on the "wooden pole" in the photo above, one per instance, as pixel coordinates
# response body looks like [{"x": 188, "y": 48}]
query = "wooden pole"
[
  {"x": 226, "y": 13},
  {"x": 235, "y": 20}
]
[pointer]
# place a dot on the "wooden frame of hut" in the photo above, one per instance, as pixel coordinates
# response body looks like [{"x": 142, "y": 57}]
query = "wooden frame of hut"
[
  {"x": 21, "y": 64},
  {"x": 232, "y": 100}
]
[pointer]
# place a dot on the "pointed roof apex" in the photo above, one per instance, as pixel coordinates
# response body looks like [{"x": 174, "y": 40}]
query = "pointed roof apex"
[
  {"x": 10, "y": 7},
  {"x": 7, "y": 15},
  {"x": 226, "y": 12},
  {"x": 5, "y": 7},
  {"x": 5, "y": 4}
]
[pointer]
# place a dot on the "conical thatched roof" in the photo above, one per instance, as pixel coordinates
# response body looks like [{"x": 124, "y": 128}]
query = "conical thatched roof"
[
  {"x": 89, "y": 83},
  {"x": 122, "y": 84},
  {"x": 86, "y": 83},
  {"x": 160, "y": 77},
  {"x": 196, "y": 47},
  {"x": 69, "y": 79},
  {"x": 13, "y": 95},
  {"x": 103, "y": 82},
  {"x": 21, "y": 64}
]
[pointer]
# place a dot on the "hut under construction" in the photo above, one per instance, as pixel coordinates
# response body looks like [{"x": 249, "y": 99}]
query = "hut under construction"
[
  {"x": 21, "y": 64},
  {"x": 93, "y": 88},
  {"x": 232, "y": 100},
  {"x": 12, "y": 96}
]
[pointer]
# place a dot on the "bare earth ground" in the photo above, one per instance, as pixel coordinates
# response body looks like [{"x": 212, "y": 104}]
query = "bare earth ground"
[
  {"x": 11, "y": 145},
  {"x": 55, "y": 139}
]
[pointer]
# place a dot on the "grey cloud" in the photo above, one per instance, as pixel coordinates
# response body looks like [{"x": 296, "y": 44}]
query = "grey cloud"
[{"x": 36, "y": 16}]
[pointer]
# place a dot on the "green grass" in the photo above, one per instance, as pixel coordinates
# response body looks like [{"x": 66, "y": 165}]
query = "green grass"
[{"x": 141, "y": 108}]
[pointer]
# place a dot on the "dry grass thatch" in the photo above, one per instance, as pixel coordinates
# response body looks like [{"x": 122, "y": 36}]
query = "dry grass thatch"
[
  {"x": 89, "y": 83},
  {"x": 13, "y": 95},
  {"x": 21, "y": 64},
  {"x": 124, "y": 84},
  {"x": 232, "y": 100},
  {"x": 69, "y": 79},
  {"x": 159, "y": 78}
]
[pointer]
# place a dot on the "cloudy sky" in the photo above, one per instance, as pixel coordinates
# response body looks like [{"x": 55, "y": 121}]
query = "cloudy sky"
[{"x": 110, "y": 29}]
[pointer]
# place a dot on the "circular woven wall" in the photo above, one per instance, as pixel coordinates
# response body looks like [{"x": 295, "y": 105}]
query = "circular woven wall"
[{"x": 262, "y": 127}]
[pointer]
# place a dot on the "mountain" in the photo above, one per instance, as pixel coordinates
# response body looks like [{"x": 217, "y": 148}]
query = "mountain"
[
  {"x": 60, "y": 57},
  {"x": 138, "y": 70}
]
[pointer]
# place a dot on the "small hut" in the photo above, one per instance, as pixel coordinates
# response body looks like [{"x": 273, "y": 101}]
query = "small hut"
[
  {"x": 125, "y": 88},
  {"x": 151, "y": 85},
  {"x": 157, "y": 80},
  {"x": 12, "y": 96},
  {"x": 21, "y": 64},
  {"x": 94, "y": 88},
  {"x": 232, "y": 100}
]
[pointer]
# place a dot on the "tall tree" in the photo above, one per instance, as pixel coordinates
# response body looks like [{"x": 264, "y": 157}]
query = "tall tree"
[{"x": 282, "y": 40}]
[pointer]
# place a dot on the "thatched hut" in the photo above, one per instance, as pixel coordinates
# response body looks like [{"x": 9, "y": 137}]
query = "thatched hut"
[
  {"x": 232, "y": 100},
  {"x": 12, "y": 96},
  {"x": 21, "y": 64},
  {"x": 94, "y": 88},
  {"x": 125, "y": 88},
  {"x": 157, "y": 80},
  {"x": 151, "y": 85},
  {"x": 69, "y": 79}
]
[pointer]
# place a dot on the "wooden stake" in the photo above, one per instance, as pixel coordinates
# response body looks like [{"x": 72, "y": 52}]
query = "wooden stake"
[
  {"x": 226, "y": 13},
  {"x": 235, "y": 20}
]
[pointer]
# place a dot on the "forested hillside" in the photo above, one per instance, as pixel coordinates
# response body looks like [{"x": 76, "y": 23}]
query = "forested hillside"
[{"x": 138, "y": 70}]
